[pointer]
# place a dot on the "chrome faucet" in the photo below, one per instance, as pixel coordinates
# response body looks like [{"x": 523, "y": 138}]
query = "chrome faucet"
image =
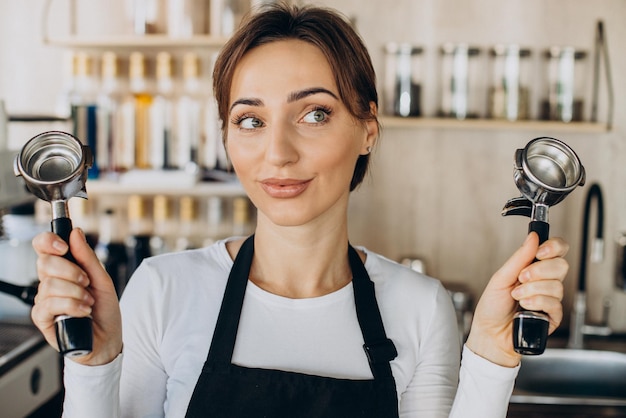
[{"x": 578, "y": 326}]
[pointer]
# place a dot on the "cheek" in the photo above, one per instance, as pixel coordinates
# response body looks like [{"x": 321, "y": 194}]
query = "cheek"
[
  {"x": 335, "y": 164},
  {"x": 239, "y": 158}
]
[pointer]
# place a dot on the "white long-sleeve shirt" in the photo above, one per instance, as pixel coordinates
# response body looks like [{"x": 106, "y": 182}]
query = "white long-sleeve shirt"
[{"x": 169, "y": 310}]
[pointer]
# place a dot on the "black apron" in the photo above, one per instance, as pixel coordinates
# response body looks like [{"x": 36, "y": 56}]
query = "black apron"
[{"x": 228, "y": 390}]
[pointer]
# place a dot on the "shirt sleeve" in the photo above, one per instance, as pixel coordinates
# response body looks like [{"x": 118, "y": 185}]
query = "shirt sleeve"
[
  {"x": 82, "y": 382},
  {"x": 139, "y": 387},
  {"x": 484, "y": 388},
  {"x": 433, "y": 385},
  {"x": 143, "y": 386}
]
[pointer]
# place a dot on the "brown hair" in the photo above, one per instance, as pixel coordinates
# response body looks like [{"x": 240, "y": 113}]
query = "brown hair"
[{"x": 325, "y": 28}]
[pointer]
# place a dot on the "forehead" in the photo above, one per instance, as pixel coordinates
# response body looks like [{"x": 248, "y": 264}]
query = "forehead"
[{"x": 284, "y": 65}]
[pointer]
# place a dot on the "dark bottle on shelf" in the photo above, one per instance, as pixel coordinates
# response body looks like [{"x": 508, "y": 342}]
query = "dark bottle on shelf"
[
  {"x": 83, "y": 102},
  {"x": 139, "y": 233},
  {"x": 111, "y": 251}
]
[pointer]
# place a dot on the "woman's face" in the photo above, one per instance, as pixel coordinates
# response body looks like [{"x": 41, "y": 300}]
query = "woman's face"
[{"x": 291, "y": 140}]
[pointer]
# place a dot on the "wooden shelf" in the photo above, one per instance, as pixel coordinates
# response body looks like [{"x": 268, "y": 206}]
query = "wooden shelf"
[
  {"x": 115, "y": 188},
  {"x": 136, "y": 42},
  {"x": 391, "y": 122}
]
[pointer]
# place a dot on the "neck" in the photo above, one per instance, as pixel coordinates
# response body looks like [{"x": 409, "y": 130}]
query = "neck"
[{"x": 300, "y": 262}]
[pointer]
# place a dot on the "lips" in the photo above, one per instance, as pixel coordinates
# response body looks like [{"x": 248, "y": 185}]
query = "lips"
[{"x": 284, "y": 188}]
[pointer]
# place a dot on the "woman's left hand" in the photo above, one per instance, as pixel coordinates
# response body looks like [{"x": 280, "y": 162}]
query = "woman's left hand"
[{"x": 535, "y": 286}]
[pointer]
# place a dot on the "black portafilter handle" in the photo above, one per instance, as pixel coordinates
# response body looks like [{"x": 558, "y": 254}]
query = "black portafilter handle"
[
  {"x": 74, "y": 335},
  {"x": 24, "y": 293},
  {"x": 530, "y": 328}
]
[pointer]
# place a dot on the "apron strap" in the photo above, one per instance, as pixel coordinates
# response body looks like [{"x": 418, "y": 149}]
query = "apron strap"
[
  {"x": 379, "y": 349},
  {"x": 225, "y": 334}
]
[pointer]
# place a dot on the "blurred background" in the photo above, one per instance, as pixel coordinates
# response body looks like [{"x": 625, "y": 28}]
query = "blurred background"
[{"x": 462, "y": 86}]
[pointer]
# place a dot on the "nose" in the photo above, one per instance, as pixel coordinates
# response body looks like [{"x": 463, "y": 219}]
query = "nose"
[{"x": 281, "y": 148}]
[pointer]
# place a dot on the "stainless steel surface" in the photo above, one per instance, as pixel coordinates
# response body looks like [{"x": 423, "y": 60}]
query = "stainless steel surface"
[
  {"x": 54, "y": 166},
  {"x": 572, "y": 377},
  {"x": 30, "y": 370},
  {"x": 16, "y": 339},
  {"x": 547, "y": 170}
]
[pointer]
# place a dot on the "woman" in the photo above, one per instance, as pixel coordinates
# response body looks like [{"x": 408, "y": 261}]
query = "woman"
[{"x": 293, "y": 321}]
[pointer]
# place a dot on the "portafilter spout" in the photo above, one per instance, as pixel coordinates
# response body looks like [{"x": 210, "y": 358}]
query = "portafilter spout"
[
  {"x": 54, "y": 166},
  {"x": 546, "y": 171}
]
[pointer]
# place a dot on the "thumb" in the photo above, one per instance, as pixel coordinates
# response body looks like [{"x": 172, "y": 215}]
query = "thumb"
[{"x": 507, "y": 275}]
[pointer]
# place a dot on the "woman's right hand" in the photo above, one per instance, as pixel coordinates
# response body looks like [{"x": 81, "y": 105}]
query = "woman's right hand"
[{"x": 77, "y": 290}]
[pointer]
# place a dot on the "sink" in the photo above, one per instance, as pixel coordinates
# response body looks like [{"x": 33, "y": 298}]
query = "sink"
[{"x": 576, "y": 377}]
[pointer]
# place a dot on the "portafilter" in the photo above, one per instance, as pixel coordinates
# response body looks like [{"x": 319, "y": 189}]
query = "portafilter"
[
  {"x": 546, "y": 171},
  {"x": 54, "y": 166}
]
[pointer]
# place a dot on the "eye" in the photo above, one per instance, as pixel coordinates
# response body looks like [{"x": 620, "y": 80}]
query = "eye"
[
  {"x": 316, "y": 116},
  {"x": 249, "y": 122}
]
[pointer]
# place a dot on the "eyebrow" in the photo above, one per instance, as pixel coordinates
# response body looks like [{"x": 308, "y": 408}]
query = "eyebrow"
[
  {"x": 292, "y": 97},
  {"x": 301, "y": 94}
]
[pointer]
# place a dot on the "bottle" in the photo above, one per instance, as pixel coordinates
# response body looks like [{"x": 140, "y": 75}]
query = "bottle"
[
  {"x": 62, "y": 107},
  {"x": 242, "y": 224},
  {"x": 84, "y": 217},
  {"x": 189, "y": 237},
  {"x": 109, "y": 101},
  {"x": 226, "y": 15},
  {"x": 83, "y": 99},
  {"x": 111, "y": 250},
  {"x": 217, "y": 225},
  {"x": 164, "y": 226},
  {"x": 189, "y": 115},
  {"x": 134, "y": 149},
  {"x": 162, "y": 114},
  {"x": 139, "y": 232},
  {"x": 186, "y": 18},
  {"x": 212, "y": 153},
  {"x": 146, "y": 16}
]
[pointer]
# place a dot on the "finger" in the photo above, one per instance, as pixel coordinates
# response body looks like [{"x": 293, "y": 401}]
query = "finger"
[
  {"x": 554, "y": 247},
  {"x": 554, "y": 268},
  {"x": 549, "y": 305},
  {"x": 508, "y": 274},
  {"x": 60, "y": 288},
  {"x": 537, "y": 289},
  {"x": 49, "y": 243},
  {"x": 55, "y": 306},
  {"x": 53, "y": 266}
]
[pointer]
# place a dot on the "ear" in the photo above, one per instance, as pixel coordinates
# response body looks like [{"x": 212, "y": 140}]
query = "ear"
[{"x": 372, "y": 130}]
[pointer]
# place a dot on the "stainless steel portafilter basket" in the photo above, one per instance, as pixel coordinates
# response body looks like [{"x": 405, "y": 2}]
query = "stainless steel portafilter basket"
[
  {"x": 54, "y": 166},
  {"x": 546, "y": 171}
]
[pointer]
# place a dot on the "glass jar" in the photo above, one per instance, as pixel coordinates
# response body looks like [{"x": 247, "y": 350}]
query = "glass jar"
[
  {"x": 402, "y": 86},
  {"x": 563, "y": 92},
  {"x": 460, "y": 95},
  {"x": 508, "y": 92}
]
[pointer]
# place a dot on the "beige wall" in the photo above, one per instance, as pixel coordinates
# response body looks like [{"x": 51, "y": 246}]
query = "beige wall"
[{"x": 436, "y": 192}]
